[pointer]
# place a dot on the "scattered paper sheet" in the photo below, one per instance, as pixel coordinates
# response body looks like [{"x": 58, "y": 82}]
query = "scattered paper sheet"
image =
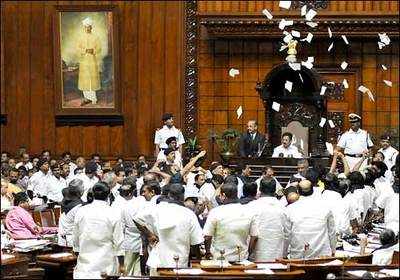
[
  {"x": 259, "y": 271},
  {"x": 329, "y": 32},
  {"x": 323, "y": 89},
  {"x": 312, "y": 24},
  {"x": 384, "y": 67},
  {"x": 271, "y": 266},
  {"x": 267, "y": 14},
  {"x": 381, "y": 45},
  {"x": 283, "y": 47},
  {"x": 384, "y": 38},
  {"x": 303, "y": 10},
  {"x": 296, "y": 33},
  {"x": 388, "y": 83},
  {"x": 295, "y": 66},
  {"x": 345, "y": 39},
  {"x": 190, "y": 271},
  {"x": 288, "y": 86},
  {"x": 322, "y": 122},
  {"x": 329, "y": 147},
  {"x": 334, "y": 262},
  {"x": 344, "y": 65},
  {"x": 276, "y": 106},
  {"x": 308, "y": 38},
  {"x": 60, "y": 255},
  {"x": 331, "y": 123},
  {"x": 233, "y": 72},
  {"x": 310, "y": 14},
  {"x": 364, "y": 89},
  {"x": 283, "y": 23},
  {"x": 309, "y": 62},
  {"x": 239, "y": 111},
  {"x": 285, "y": 4},
  {"x": 345, "y": 83},
  {"x": 330, "y": 47},
  {"x": 287, "y": 38},
  {"x": 391, "y": 272}
]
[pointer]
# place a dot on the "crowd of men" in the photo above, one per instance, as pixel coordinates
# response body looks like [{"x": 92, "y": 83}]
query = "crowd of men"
[{"x": 135, "y": 217}]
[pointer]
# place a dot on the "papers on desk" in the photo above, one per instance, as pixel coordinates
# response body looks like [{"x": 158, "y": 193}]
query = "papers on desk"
[
  {"x": 271, "y": 266},
  {"x": 345, "y": 254},
  {"x": 350, "y": 248},
  {"x": 357, "y": 273},
  {"x": 190, "y": 271},
  {"x": 30, "y": 245},
  {"x": 258, "y": 271},
  {"x": 334, "y": 262},
  {"x": 245, "y": 263},
  {"x": 391, "y": 272},
  {"x": 60, "y": 255},
  {"x": 6, "y": 256}
]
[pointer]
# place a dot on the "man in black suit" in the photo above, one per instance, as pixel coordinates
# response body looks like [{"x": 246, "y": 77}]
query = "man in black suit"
[{"x": 251, "y": 143}]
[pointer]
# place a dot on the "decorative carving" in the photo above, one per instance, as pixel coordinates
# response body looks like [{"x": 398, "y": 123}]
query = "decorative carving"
[
  {"x": 190, "y": 114},
  {"x": 338, "y": 119},
  {"x": 334, "y": 91},
  {"x": 311, "y": 4},
  {"x": 307, "y": 115},
  {"x": 236, "y": 26}
]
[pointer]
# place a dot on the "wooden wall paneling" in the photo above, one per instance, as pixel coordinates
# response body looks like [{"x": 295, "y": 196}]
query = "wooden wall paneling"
[
  {"x": 143, "y": 128},
  {"x": 103, "y": 140},
  {"x": 157, "y": 58},
  {"x": 89, "y": 140},
  {"x": 37, "y": 81},
  {"x": 118, "y": 140},
  {"x": 62, "y": 139},
  {"x": 49, "y": 126},
  {"x": 75, "y": 137},
  {"x": 23, "y": 74},
  {"x": 129, "y": 49}
]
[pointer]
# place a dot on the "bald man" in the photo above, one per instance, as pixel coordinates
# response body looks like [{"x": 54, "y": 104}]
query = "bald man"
[
  {"x": 309, "y": 226},
  {"x": 251, "y": 143}
]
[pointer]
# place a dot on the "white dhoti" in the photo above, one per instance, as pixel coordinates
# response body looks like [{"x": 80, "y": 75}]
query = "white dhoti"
[{"x": 91, "y": 95}]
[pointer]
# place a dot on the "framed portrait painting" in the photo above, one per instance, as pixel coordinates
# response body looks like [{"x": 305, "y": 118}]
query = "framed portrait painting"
[{"x": 86, "y": 60}]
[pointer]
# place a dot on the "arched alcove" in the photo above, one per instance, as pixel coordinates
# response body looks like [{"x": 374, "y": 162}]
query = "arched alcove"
[{"x": 303, "y": 104}]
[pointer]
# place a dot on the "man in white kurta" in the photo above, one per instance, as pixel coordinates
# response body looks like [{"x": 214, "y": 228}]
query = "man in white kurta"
[
  {"x": 176, "y": 228},
  {"x": 89, "y": 74},
  {"x": 355, "y": 142},
  {"x": 270, "y": 216},
  {"x": 168, "y": 130},
  {"x": 388, "y": 151},
  {"x": 229, "y": 226},
  {"x": 309, "y": 226},
  {"x": 39, "y": 182},
  {"x": 98, "y": 237}
]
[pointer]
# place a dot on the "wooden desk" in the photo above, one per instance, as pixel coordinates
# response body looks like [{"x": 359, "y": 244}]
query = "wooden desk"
[
  {"x": 57, "y": 267},
  {"x": 365, "y": 259},
  {"x": 17, "y": 266}
]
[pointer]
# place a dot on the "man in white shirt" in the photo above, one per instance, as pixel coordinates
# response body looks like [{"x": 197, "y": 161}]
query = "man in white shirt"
[
  {"x": 229, "y": 226},
  {"x": 66, "y": 157},
  {"x": 354, "y": 142},
  {"x": 172, "y": 143},
  {"x": 384, "y": 254},
  {"x": 57, "y": 184},
  {"x": 388, "y": 151},
  {"x": 286, "y": 149},
  {"x": 98, "y": 237},
  {"x": 309, "y": 226},
  {"x": 167, "y": 131},
  {"x": 25, "y": 161},
  {"x": 39, "y": 182},
  {"x": 268, "y": 174},
  {"x": 89, "y": 178},
  {"x": 206, "y": 189},
  {"x": 175, "y": 228},
  {"x": 270, "y": 216},
  {"x": 125, "y": 195}
]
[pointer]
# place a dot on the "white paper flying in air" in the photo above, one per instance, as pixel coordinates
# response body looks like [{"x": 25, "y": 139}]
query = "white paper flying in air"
[
  {"x": 322, "y": 122},
  {"x": 296, "y": 33},
  {"x": 308, "y": 38},
  {"x": 323, "y": 89},
  {"x": 363, "y": 89},
  {"x": 239, "y": 111},
  {"x": 267, "y": 14},
  {"x": 295, "y": 66},
  {"x": 308, "y": 63},
  {"x": 303, "y": 10},
  {"x": 233, "y": 72},
  {"x": 345, "y": 83},
  {"x": 329, "y": 32},
  {"x": 312, "y": 24},
  {"x": 366, "y": 90},
  {"x": 381, "y": 45},
  {"x": 285, "y": 4},
  {"x": 283, "y": 23},
  {"x": 301, "y": 78},
  {"x": 388, "y": 83},
  {"x": 344, "y": 65},
  {"x": 310, "y": 14},
  {"x": 345, "y": 39},
  {"x": 330, "y": 47},
  {"x": 384, "y": 67},
  {"x": 276, "y": 106},
  {"x": 329, "y": 147},
  {"x": 287, "y": 38},
  {"x": 283, "y": 47},
  {"x": 331, "y": 123},
  {"x": 384, "y": 38},
  {"x": 288, "y": 86}
]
